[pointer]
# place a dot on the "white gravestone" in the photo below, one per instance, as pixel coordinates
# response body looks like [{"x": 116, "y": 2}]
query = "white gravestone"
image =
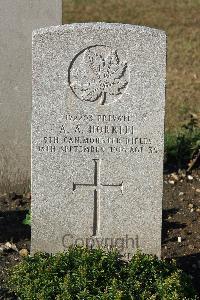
[
  {"x": 97, "y": 137},
  {"x": 17, "y": 20}
]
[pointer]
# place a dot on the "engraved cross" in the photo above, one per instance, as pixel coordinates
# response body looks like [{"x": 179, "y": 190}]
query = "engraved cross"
[{"x": 96, "y": 187}]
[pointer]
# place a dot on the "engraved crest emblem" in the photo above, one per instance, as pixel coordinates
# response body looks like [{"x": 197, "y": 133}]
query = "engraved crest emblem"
[{"x": 98, "y": 74}]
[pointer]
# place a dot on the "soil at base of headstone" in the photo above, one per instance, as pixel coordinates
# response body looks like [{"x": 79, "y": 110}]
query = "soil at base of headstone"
[{"x": 180, "y": 234}]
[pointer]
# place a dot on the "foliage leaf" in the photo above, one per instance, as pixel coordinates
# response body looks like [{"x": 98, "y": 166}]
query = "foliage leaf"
[{"x": 108, "y": 75}]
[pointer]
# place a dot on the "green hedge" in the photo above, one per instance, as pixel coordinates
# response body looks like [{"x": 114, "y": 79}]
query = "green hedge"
[{"x": 93, "y": 274}]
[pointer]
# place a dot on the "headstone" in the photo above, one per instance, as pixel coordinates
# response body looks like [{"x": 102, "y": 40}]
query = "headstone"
[
  {"x": 17, "y": 20},
  {"x": 97, "y": 137}
]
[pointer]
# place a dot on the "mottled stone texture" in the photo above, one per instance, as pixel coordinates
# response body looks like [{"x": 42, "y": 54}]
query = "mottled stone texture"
[
  {"x": 97, "y": 137},
  {"x": 17, "y": 20}
]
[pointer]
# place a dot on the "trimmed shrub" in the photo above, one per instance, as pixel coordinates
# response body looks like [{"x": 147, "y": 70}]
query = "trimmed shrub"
[{"x": 94, "y": 274}]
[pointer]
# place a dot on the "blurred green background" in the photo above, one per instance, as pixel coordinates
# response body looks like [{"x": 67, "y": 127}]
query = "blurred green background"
[{"x": 181, "y": 21}]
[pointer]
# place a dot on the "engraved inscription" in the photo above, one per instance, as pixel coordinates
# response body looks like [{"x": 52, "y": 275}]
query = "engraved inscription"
[
  {"x": 101, "y": 133},
  {"x": 98, "y": 73},
  {"x": 96, "y": 187}
]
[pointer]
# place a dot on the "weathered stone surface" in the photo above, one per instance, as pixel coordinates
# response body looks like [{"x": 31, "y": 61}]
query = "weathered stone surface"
[
  {"x": 17, "y": 20},
  {"x": 97, "y": 137}
]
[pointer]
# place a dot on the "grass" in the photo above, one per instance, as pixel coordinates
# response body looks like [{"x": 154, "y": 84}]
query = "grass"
[{"x": 180, "y": 19}]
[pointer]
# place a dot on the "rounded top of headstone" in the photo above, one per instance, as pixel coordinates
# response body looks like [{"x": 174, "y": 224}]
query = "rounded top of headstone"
[{"x": 100, "y": 26}]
